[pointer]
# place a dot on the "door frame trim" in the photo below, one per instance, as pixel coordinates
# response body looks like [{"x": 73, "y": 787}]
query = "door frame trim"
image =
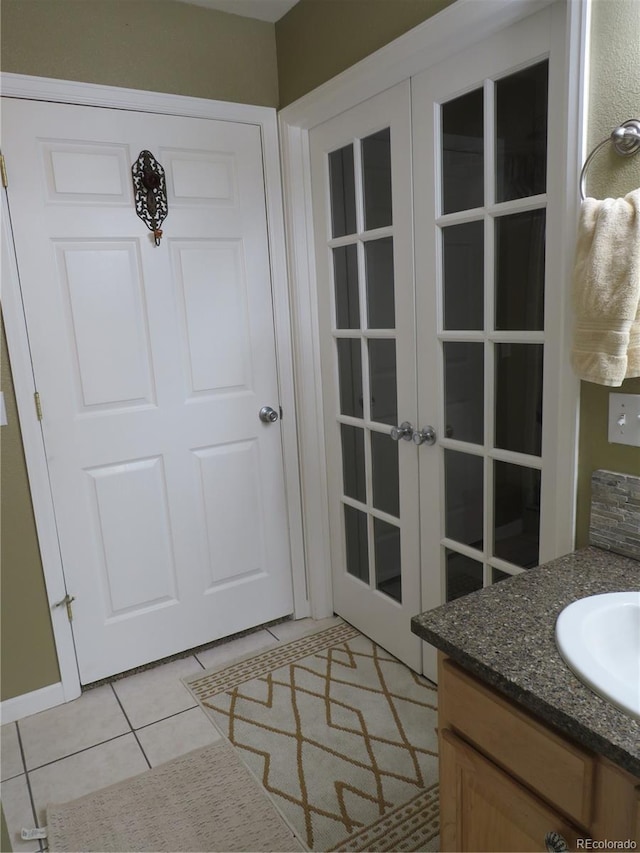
[
  {"x": 89, "y": 94},
  {"x": 464, "y": 23}
]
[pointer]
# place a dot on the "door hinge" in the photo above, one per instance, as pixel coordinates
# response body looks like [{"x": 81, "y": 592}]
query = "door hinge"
[
  {"x": 36, "y": 397},
  {"x": 67, "y": 601},
  {"x": 3, "y": 171},
  {"x": 280, "y": 407}
]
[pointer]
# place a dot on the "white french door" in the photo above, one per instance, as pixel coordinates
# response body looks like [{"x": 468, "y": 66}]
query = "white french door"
[
  {"x": 152, "y": 364},
  {"x": 475, "y": 373},
  {"x": 361, "y": 176}
]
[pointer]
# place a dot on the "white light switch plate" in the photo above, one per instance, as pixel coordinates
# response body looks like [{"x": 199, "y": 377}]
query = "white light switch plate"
[{"x": 624, "y": 419}]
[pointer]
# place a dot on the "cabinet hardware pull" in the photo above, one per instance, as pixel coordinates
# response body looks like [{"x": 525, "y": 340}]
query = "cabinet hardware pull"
[{"x": 555, "y": 843}]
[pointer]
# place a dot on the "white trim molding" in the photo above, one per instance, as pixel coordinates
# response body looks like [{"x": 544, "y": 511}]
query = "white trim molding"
[
  {"x": 461, "y": 24},
  {"x": 33, "y": 702},
  {"x": 70, "y": 92},
  {"x": 36, "y": 460},
  {"x": 139, "y": 100}
]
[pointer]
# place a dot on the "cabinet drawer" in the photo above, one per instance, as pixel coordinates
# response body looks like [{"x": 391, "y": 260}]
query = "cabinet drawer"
[{"x": 556, "y": 769}]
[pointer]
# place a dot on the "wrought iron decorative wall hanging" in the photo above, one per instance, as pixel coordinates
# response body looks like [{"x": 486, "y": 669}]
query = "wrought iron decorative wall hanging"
[{"x": 150, "y": 192}]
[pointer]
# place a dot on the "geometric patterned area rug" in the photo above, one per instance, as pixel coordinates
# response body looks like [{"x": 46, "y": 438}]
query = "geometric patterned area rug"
[{"x": 341, "y": 735}]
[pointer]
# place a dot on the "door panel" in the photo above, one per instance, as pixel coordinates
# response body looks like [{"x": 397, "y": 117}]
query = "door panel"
[
  {"x": 152, "y": 364},
  {"x": 362, "y": 206},
  {"x": 481, "y": 203}
]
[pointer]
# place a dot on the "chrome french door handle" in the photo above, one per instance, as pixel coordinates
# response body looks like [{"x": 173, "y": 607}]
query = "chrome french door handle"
[
  {"x": 427, "y": 435},
  {"x": 405, "y": 430}
]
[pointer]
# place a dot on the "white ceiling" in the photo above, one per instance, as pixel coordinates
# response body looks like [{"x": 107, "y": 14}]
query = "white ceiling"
[{"x": 264, "y": 10}]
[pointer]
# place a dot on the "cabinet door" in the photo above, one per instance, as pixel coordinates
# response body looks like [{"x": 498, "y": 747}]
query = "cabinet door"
[{"x": 482, "y": 808}]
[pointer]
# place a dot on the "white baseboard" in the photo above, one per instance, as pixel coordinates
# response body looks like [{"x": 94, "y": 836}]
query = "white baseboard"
[{"x": 31, "y": 703}]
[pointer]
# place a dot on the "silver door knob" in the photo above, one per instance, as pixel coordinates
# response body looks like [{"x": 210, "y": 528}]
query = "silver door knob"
[
  {"x": 405, "y": 430},
  {"x": 427, "y": 435},
  {"x": 268, "y": 415}
]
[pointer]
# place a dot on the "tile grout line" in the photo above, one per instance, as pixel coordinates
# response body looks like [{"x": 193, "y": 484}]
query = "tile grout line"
[
  {"x": 133, "y": 731},
  {"x": 168, "y": 717},
  {"x": 28, "y": 781},
  {"x": 107, "y": 740},
  {"x": 77, "y": 752}
]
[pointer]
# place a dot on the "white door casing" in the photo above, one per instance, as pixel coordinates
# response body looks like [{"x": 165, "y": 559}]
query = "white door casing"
[{"x": 154, "y": 445}]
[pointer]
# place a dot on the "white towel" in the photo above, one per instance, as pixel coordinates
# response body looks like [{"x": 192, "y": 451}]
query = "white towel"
[{"x": 606, "y": 290}]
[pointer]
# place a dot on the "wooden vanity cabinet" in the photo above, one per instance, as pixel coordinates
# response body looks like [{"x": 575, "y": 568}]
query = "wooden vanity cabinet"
[{"x": 507, "y": 780}]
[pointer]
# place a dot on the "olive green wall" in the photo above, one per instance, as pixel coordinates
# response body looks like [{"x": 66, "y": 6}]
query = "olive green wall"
[
  {"x": 614, "y": 97},
  {"x": 318, "y": 39},
  {"x": 28, "y": 659},
  {"x": 159, "y": 45}
]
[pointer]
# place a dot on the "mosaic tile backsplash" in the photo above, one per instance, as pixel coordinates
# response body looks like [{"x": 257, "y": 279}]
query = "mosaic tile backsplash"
[{"x": 615, "y": 513}]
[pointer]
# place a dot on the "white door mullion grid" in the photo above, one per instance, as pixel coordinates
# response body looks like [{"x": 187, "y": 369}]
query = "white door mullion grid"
[
  {"x": 514, "y": 458},
  {"x": 528, "y": 46},
  {"x": 373, "y": 610},
  {"x": 489, "y": 323},
  {"x": 360, "y": 237}
]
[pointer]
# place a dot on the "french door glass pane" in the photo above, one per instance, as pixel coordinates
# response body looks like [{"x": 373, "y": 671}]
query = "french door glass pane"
[
  {"x": 464, "y": 391},
  {"x": 353, "y": 464},
  {"x": 463, "y": 483},
  {"x": 482, "y": 293},
  {"x": 350, "y": 377},
  {"x": 355, "y": 528},
  {"x": 386, "y": 481},
  {"x": 345, "y": 275},
  {"x": 387, "y": 552},
  {"x": 370, "y": 473},
  {"x": 516, "y": 512},
  {"x": 521, "y": 133},
  {"x": 376, "y": 179},
  {"x": 463, "y": 259},
  {"x": 383, "y": 382},
  {"x": 380, "y": 291},
  {"x": 518, "y": 397},
  {"x": 519, "y": 279},
  {"x": 462, "y": 575},
  {"x": 463, "y": 152},
  {"x": 343, "y": 192}
]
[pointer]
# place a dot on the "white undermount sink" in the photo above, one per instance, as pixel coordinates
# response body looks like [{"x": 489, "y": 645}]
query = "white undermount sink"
[{"x": 599, "y": 639}]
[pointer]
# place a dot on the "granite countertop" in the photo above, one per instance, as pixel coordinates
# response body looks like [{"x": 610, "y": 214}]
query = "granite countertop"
[{"x": 504, "y": 634}]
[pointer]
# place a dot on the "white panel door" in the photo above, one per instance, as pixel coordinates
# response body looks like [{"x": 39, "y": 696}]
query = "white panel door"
[
  {"x": 152, "y": 363},
  {"x": 361, "y": 179}
]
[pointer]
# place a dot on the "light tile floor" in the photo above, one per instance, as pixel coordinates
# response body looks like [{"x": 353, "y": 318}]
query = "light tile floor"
[{"x": 114, "y": 731}]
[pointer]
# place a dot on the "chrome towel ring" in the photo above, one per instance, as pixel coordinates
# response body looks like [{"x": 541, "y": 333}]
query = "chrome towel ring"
[{"x": 625, "y": 140}]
